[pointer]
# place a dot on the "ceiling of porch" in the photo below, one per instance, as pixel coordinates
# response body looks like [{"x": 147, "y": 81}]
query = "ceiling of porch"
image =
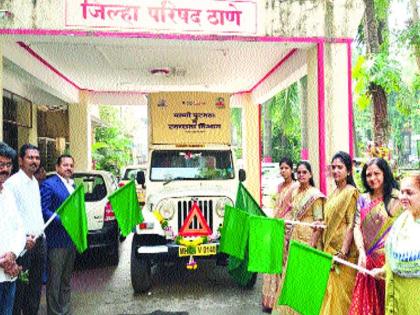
[{"x": 113, "y": 65}]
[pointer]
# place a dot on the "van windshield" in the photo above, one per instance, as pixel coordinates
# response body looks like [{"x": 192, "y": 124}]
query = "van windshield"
[{"x": 191, "y": 165}]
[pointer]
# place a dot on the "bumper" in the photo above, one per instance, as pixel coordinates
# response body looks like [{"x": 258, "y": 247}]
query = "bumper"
[
  {"x": 105, "y": 237},
  {"x": 168, "y": 252}
]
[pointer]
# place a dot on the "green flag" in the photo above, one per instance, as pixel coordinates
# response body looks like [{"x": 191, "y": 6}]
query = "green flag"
[
  {"x": 126, "y": 208},
  {"x": 266, "y": 239},
  {"x": 245, "y": 201},
  {"x": 306, "y": 279},
  {"x": 72, "y": 214},
  {"x": 238, "y": 268},
  {"x": 234, "y": 232}
]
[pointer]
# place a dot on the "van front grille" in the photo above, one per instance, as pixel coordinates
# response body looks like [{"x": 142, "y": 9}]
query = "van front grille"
[{"x": 184, "y": 207}]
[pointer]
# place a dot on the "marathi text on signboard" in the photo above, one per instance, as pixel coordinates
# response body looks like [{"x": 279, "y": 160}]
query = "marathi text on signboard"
[
  {"x": 203, "y": 16},
  {"x": 190, "y": 118}
]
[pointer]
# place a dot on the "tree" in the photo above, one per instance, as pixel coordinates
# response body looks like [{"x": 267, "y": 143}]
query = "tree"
[
  {"x": 236, "y": 120},
  {"x": 413, "y": 31},
  {"x": 267, "y": 134},
  {"x": 285, "y": 113},
  {"x": 376, "y": 29},
  {"x": 112, "y": 148},
  {"x": 378, "y": 64}
]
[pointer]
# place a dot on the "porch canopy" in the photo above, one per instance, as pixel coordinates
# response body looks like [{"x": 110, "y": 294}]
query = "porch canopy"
[{"x": 79, "y": 53}]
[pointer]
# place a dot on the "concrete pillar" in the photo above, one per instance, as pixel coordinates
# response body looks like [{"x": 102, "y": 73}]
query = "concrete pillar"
[
  {"x": 251, "y": 146},
  {"x": 337, "y": 130},
  {"x": 337, "y": 110},
  {"x": 312, "y": 113},
  {"x": 80, "y": 132}
]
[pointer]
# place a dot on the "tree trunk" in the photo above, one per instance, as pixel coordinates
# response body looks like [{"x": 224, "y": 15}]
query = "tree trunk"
[
  {"x": 415, "y": 19},
  {"x": 303, "y": 96},
  {"x": 267, "y": 148},
  {"x": 380, "y": 114}
]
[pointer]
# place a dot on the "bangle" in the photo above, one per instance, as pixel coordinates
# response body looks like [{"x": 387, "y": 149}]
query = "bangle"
[{"x": 344, "y": 254}]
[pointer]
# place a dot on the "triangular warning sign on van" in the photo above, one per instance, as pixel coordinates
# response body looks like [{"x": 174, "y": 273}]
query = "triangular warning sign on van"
[{"x": 203, "y": 227}]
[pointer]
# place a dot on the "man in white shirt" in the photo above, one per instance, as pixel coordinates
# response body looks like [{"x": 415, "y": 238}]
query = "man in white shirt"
[
  {"x": 12, "y": 235},
  {"x": 25, "y": 189}
]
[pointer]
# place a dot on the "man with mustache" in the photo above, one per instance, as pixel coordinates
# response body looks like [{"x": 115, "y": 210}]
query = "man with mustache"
[
  {"x": 25, "y": 189},
  {"x": 12, "y": 235},
  {"x": 61, "y": 251}
]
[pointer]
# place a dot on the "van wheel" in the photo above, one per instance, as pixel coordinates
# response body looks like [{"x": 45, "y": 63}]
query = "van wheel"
[
  {"x": 114, "y": 257},
  {"x": 141, "y": 272}
]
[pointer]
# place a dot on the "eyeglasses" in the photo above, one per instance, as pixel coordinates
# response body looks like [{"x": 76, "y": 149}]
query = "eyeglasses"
[{"x": 6, "y": 165}]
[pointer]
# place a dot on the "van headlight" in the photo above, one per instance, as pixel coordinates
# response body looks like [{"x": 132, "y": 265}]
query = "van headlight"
[
  {"x": 220, "y": 205},
  {"x": 166, "y": 209}
]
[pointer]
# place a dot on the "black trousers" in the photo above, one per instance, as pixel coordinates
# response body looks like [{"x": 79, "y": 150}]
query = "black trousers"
[{"x": 28, "y": 294}]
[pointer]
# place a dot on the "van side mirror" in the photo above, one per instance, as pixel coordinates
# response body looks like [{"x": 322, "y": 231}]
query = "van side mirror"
[
  {"x": 140, "y": 178},
  {"x": 242, "y": 175}
]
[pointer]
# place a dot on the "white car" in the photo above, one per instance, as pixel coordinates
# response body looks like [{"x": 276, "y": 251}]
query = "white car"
[
  {"x": 103, "y": 229},
  {"x": 130, "y": 173},
  {"x": 271, "y": 179}
]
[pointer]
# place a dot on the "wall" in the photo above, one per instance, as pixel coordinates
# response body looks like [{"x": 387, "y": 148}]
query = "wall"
[
  {"x": 286, "y": 18},
  {"x": 53, "y": 124}
]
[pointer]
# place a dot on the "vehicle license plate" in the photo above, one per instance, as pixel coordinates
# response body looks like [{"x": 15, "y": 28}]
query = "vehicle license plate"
[{"x": 200, "y": 250}]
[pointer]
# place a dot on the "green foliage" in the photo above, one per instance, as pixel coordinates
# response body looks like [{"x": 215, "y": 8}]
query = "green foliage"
[
  {"x": 384, "y": 71},
  {"x": 411, "y": 35},
  {"x": 286, "y": 124},
  {"x": 236, "y": 119},
  {"x": 112, "y": 148}
]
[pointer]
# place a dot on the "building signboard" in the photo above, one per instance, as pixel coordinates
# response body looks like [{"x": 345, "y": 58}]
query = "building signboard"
[
  {"x": 190, "y": 118},
  {"x": 178, "y": 16}
]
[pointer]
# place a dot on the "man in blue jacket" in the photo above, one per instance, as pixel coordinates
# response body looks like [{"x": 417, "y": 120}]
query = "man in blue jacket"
[{"x": 61, "y": 251}]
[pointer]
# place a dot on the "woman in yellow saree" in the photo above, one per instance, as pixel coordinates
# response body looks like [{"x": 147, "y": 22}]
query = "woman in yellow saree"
[
  {"x": 271, "y": 282},
  {"x": 337, "y": 238},
  {"x": 306, "y": 206}
]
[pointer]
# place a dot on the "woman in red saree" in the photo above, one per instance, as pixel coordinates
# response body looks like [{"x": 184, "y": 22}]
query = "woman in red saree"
[{"x": 376, "y": 211}]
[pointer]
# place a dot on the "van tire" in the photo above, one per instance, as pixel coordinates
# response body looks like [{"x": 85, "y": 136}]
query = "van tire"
[
  {"x": 114, "y": 256},
  {"x": 141, "y": 272}
]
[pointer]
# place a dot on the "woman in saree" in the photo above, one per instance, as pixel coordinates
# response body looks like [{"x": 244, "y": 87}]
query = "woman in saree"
[
  {"x": 306, "y": 206},
  {"x": 402, "y": 254},
  {"x": 271, "y": 282},
  {"x": 376, "y": 211},
  {"x": 337, "y": 237}
]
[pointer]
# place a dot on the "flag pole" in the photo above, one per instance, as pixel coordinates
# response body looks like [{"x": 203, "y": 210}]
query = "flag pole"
[
  {"x": 354, "y": 266},
  {"x": 23, "y": 252},
  {"x": 322, "y": 226}
]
